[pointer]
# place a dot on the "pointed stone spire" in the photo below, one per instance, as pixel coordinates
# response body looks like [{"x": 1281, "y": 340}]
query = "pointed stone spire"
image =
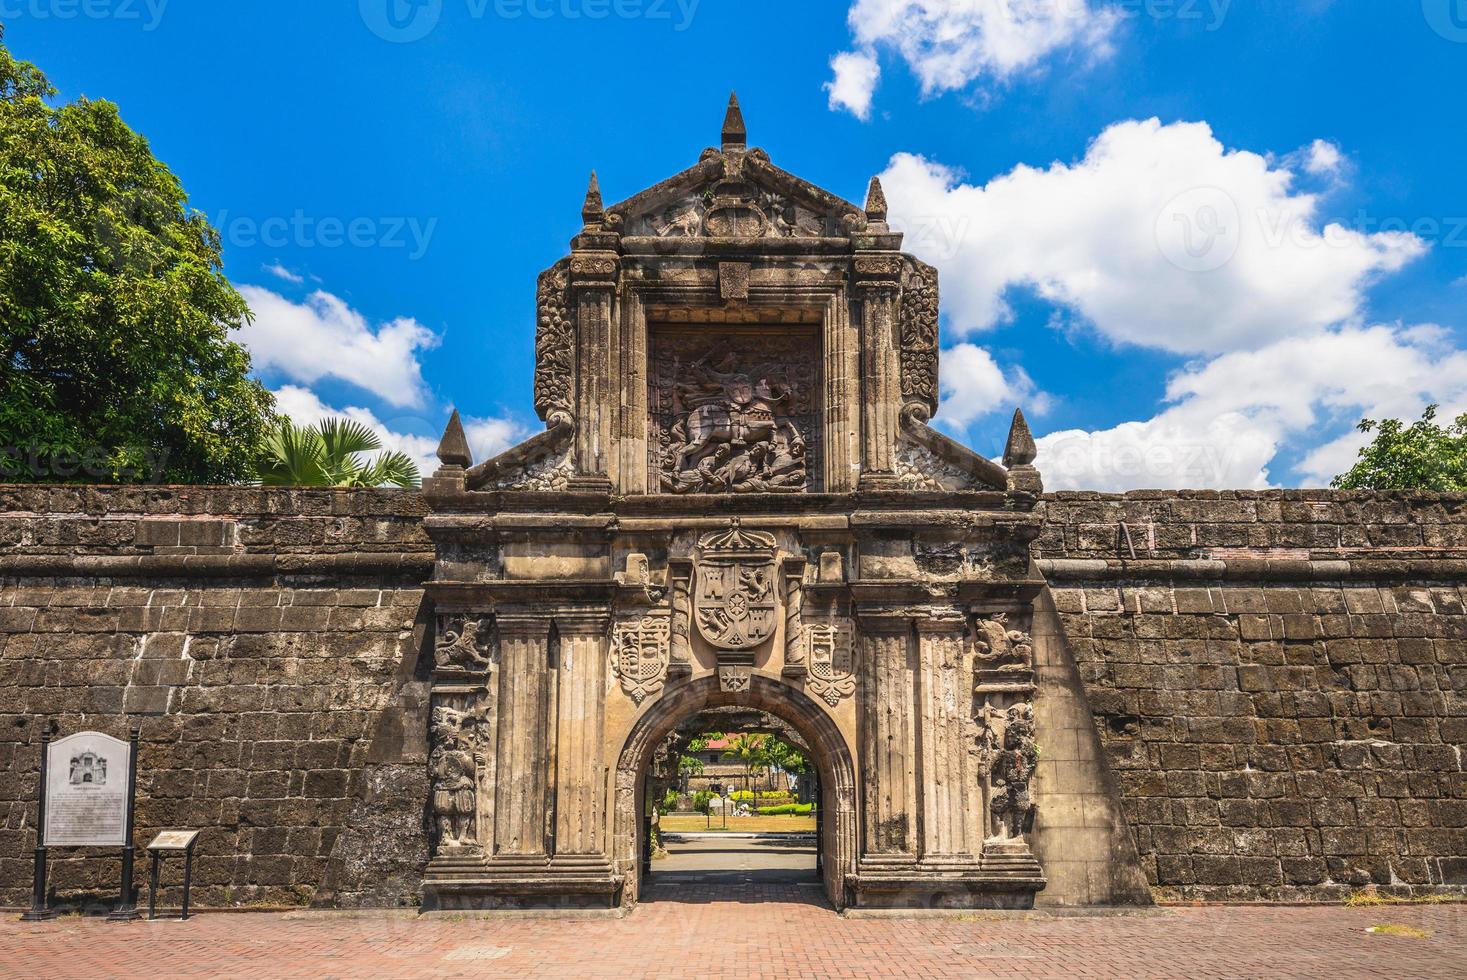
[
  {"x": 453, "y": 450},
  {"x": 1020, "y": 450},
  {"x": 593, "y": 212},
  {"x": 875, "y": 201},
  {"x": 735, "y": 136}
]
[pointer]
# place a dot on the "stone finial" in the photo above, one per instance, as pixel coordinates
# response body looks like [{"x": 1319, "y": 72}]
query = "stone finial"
[
  {"x": 453, "y": 449},
  {"x": 593, "y": 212},
  {"x": 1020, "y": 450},
  {"x": 735, "y": 136},
  {"x": 875, "y": 201}
]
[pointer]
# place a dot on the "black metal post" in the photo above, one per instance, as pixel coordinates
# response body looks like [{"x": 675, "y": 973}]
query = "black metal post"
[
  {"x": 40, "y": 911},
  {"x": 188, "y": 877},
  {"x": 126, "y": 910},
  {"x": 153, "y": 890}
]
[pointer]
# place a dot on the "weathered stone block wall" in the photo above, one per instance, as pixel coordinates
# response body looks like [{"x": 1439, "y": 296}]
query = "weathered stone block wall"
[
  {"x": 266, "y": 643},
  {"x": 1277, "y": 681}
]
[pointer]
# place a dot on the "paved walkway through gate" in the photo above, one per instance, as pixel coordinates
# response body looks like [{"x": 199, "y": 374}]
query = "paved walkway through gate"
[{"x": 758, "y": 928}]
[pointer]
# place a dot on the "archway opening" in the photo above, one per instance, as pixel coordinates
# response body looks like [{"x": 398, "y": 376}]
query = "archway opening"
[{"x": 648, "y": 766}]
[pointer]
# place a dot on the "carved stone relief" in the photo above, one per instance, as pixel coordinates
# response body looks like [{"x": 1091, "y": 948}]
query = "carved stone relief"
[
  {"x": 464, "y": 643},
  {"x": 919, "y": 468},
  {"x": 639, "y": 655},
  {"x": 551, "y": 474},
  {"x": 734, "y": 600},
  {"x": 453, "y": 766},
  {"x": 727, "y": 421},
  {"x": 733, "y": 209},
  {"x": 554, "y": 342},
  {"x": 1003, "y": 649},
  {"x": 830, "y": 651},
  {"x": 919, "y": 326},
  {"x": 1011, "y": 756}
]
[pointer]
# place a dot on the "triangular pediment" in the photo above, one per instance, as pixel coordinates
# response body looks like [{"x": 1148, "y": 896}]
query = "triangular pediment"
[{"x": 736, "y": 194}]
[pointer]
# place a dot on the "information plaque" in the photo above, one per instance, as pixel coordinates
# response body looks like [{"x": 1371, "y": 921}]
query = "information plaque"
[{"x": 87, "y": 792}]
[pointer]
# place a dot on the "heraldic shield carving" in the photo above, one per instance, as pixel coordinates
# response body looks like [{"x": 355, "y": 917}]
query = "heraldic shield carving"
[{"x": 733, "y": 600}]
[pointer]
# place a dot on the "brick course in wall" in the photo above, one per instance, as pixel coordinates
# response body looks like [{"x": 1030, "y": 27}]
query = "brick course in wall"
[{"x": 1277, "y": 681}]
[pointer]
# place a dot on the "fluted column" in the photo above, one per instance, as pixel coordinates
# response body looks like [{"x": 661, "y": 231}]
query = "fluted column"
[
  {"x": 949, "y": 788},
  {"x": 888, "y": 737},
  {"x": 593, "y": 284},
  {"x": 524, "y": 691},
  {"x": 879, "y": 277},
  {"x": 580, "y": 777}
]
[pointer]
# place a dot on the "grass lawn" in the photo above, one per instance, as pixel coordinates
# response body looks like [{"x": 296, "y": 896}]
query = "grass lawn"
[{"x": 787, "y": 823}]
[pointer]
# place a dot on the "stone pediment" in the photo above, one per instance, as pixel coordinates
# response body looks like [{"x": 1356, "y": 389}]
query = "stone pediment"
[
  {"x": 735, "y": 193},
  {"x": 740, "y": 195}
]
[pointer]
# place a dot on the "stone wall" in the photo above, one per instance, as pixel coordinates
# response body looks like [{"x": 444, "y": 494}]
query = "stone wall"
[
  {"x": 267, "y": 645},
  {"x": 1268, "y": 686},
  {"x": 1277, "y": 681}
]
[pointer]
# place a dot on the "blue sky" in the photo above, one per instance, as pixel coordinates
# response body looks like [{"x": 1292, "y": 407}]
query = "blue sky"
[{"x": 1196, "y": 241}]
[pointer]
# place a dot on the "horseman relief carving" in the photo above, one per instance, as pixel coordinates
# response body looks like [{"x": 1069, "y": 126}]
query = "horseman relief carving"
[{"x": 731, "y": 428}]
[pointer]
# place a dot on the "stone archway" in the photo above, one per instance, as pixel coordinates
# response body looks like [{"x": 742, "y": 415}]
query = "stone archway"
[{"x": 830, "y": 754}]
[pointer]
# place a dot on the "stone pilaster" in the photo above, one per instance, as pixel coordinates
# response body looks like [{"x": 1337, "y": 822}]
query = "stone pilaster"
[
  {"x": 794, "y": 632},
  {"x": 889, "y": 748},
  {"x": 879, "y": 286},
  {"x": 522, "y": 786},
  {"x": 593, "y": 286},
  {"x": 680, "y": 650},
  {"x": 951, "y": 830},
  {"x": 580, "y": 772}
]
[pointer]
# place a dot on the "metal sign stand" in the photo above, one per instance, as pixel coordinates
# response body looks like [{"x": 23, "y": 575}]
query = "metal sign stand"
[
  {"x": 165, "y": 844},
  {"x": 126, "y": 910},
  {"x": 40, "y": 911}
]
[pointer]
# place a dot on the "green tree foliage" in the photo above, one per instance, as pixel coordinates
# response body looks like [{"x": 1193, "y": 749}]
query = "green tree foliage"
[
  {"x": 115, "y": 358},
  {"x": 1422, "y": 456},
  {"x": 328, "y": 454}
]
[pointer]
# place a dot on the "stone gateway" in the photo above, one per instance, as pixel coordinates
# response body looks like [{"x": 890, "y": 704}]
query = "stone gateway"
[
  {"x": 736, "y": 371},
  {"x": 738, "y": 509}
]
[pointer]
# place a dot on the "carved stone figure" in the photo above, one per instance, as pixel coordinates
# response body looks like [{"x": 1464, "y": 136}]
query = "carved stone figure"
[
  {"x": 639, "y": 651},
  {"x": 729, "y": 435},
  {"x": 453, "y": 766},
  {"x": 1000, "y": 648},
  {"x": 463, "y": 644},
  {"x": 1011, "y": 757}
]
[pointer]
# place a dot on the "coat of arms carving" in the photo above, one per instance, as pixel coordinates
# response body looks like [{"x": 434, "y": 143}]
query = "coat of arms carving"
[
  {"x": 639, "y": 656},
  {"x": 830, "y": 654},
  {"x": 734, "y": 600}
]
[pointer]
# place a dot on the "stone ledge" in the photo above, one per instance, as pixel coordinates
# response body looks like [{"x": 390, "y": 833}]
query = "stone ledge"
[{"x": 1253, "y": 570}]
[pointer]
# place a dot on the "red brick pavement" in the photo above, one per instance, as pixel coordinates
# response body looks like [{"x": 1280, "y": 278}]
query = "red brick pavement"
[{"x": 713, "y": 932}]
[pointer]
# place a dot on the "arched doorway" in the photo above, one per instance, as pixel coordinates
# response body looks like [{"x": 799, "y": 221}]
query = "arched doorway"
[{"x": 831, "y": 756}]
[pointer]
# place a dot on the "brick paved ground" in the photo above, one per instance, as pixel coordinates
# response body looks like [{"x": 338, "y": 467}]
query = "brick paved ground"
[{"x": 758, "y": 930}]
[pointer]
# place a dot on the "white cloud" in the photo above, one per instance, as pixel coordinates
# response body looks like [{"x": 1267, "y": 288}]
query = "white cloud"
[
  {"x": 1323, "y": 159},
  {"x": 281, "y": 272},
  {"x": 856, "y": 75},
  {"x": 1159, "y": 237},
  {"x": 487, "y": 437},
  {"x": 973, "y": 385},
  {"x": 324, "y": 337},
  {"x": 949, "y": 44},
  {"x": 1226, "y": 420}
]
